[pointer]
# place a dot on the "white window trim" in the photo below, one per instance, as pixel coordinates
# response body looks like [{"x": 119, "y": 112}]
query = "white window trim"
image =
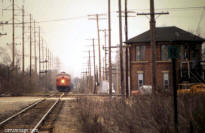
[
  {"x": 166, "y": 72},
  {"x": 142, "y": 73}
]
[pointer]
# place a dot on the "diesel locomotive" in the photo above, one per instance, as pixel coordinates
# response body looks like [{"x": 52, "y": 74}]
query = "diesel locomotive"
[{"x": 63, "y": 82}]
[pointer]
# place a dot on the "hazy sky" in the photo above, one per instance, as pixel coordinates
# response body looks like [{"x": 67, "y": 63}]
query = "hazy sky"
[{"x": 67, "y": 38}]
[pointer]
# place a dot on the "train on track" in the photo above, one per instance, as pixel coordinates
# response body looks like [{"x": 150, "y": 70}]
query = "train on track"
[{"x": 63, "y": 82}]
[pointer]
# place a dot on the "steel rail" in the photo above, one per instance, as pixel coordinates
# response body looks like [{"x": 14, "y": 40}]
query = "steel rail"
[
  {"x": 20, "y": 112},
  {"x": 35, "y": 129}
]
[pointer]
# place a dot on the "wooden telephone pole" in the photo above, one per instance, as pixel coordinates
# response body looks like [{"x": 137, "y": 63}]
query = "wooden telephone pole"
[
  {"x": 109, "y": 45},
  {"x": 153, "y": 40},
  {"x": 126, "y": 53},
  {"x": 153, "y": 43},
  {"x": 94, "y": 74},
  {"x": 30, "y": 48},
  {"x": 121, "y": 52},
  {"x": 39, "y": 50},
  {"x": 23, "y": 50},
  {"x": 89, "y": 71},
  {"x": 105, "y": 53},
  {"x": 35, "y": 50},
  {"x": 99, "y": 47},
  {"x": 13, "y": 34}
]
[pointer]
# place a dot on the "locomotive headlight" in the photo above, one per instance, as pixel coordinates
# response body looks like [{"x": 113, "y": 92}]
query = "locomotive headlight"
[{"x": 62, "y": 81}]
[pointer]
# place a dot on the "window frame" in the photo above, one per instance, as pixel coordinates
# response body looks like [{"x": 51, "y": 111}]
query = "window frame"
[
  {"x": 164, "y": 79},
  {"x": 138, "y": 75},
  {"x": 140, "y": 52},
  {"x": 161, "y": 51}
]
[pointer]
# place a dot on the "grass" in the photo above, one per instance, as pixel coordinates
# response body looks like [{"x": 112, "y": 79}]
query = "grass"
[{"x": 141, "y": 114}]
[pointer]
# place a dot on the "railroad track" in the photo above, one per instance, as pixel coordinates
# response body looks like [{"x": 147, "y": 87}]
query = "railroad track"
[{"x": 30, "y": 118}]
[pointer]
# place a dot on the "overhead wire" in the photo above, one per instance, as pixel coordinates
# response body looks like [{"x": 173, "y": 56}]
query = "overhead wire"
[{"x": 81, "y": 17}]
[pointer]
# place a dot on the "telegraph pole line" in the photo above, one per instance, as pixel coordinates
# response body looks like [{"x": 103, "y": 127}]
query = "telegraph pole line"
[
  {"x": 121, "y": 52},
  {"x": 109, "y": 44},
  {"x": 98, "y": 34},
  {"x": 13, "y": 34},
  {"x": 30, "y": 48},
  {"x": 23, "y": 30},
  {"x": 39, "y": 50}
]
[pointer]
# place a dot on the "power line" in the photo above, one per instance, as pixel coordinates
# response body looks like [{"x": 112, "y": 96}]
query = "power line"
[
  {"x": 53, "y": 20},
  {"x": 81, "y": 17},
  {"x": 179, "y": 8}
]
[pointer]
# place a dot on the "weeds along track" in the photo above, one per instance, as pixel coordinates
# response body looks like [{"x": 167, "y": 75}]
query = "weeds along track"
[{"x": 30, "y": 118}]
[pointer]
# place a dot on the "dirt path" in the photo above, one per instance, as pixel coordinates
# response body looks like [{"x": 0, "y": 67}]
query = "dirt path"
[{"x": 67, "y": 121}]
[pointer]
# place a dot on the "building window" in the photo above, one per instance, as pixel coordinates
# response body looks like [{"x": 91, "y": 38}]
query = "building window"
[
  {"x": 164, "y": 52},
  {"x": 140, "y": 53},
  {"x": 165, "y": 80},
  {"x": 140, "y": 79}
]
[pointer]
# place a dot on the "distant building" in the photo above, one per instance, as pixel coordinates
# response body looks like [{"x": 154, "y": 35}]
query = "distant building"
[{"x": 188, "y": 62}]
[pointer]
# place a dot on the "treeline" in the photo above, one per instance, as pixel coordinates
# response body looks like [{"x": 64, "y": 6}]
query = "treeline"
[{"x": 14, "y": 82}]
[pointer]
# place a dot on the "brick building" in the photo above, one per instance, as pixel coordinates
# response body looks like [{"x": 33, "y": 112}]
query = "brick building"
[{"x": 188, "y": 62}]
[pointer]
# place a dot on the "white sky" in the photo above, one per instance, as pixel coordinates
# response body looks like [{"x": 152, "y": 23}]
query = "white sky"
[{"x": 67, "y": 39}]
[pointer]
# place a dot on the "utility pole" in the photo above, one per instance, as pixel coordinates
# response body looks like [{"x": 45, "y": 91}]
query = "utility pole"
[
  {"x": 52, "y": 61},
  {"x": 13, "y": 35},
  {"x": 23, "y": 30},
  {"x": 35, "y": 47},
  {"x": 46, "y": 60},
  {"x": 109, "y": 44},
  {"x": 30, "y": 48},
  {"x": 121, "y": 52},
  {"x": 39, "y": 50},
  {"x": 105, "y": 71},
  {"x": 89, "y": 70},
  {"x": 47, "y": 67},
  {"x": 43, "y": 53},
  {"x": 153, "y": 41},
  {"x": 49, "y": 60},
  {"x": 99, "y": 47},
  {"x": 126, "y": 52},
  {"x": 94, "y": 76}
]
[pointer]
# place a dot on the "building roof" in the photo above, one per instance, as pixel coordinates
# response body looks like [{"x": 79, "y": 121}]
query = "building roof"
[{"x": 167, "y": 34}]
